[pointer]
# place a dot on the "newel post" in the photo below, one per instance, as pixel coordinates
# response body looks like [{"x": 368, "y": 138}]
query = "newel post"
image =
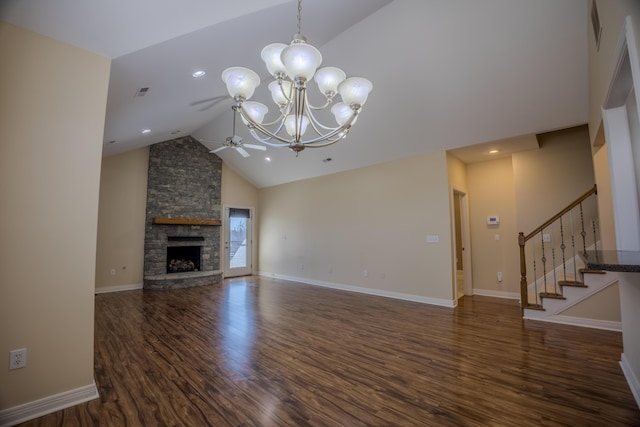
[{"x": 524, "y": 297}]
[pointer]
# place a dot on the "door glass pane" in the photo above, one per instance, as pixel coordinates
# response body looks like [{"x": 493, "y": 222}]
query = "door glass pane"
[{"x": 238, "y": 238}]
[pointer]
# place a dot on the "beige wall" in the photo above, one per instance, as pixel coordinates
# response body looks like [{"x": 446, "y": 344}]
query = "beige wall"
[
  {"x": 605, "y": 195},
  {"x": 564, "y": 157},
  {"x": 52, "y": 111},
  {"x": 604, "y": 305},
  {"x": 238, "y": 192},
  {"x": 457, "y": 171},
  {"x": 601, "y": 61},
  {"x": 492, "y": 192},
  {"x": 332, "y": 228},
  {"x": 121, "y": 217}
]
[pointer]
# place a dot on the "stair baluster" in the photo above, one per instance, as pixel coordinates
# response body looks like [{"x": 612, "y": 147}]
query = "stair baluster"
[
  {"x": 562, "y": 248},
  {"x": 573, "y": 246}
]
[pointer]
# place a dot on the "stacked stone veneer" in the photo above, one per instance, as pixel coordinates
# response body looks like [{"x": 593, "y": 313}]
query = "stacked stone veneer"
[{"x": 184, "y": 182}]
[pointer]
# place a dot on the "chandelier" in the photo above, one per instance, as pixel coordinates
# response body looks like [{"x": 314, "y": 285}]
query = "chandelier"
[{"x": 293, "y": 66}]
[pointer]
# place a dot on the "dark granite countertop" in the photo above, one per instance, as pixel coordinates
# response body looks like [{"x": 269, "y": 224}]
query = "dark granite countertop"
[{"x": 622, "y": 261}]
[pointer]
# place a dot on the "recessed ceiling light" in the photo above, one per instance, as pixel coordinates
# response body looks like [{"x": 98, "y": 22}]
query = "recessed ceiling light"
[
  {"x": 268, "y": 159},
  {"x": 146, "y": 131},
  {"x": 494, "y": 151},
  {"x": 199, "y": 73}
]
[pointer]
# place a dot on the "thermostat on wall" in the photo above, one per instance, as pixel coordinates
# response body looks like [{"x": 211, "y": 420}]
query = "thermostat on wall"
[{"x": 493, "y": 220}]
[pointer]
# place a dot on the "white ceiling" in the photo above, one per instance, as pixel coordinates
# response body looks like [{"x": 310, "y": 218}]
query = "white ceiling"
[{"x": 447, "y": 74}]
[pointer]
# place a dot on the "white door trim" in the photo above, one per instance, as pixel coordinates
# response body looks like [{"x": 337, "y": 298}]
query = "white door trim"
[{"x": 616, "y": 117}]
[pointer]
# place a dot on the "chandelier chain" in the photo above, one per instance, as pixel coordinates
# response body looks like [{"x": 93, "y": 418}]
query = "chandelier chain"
[{"x": 299, "y": 16}]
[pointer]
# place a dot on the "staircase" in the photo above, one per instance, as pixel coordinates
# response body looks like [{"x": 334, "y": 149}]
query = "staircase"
[{"x": 552, "y": 267}]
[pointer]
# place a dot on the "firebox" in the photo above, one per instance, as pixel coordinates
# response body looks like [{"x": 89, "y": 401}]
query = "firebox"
[{"x": 182, "y": 259}]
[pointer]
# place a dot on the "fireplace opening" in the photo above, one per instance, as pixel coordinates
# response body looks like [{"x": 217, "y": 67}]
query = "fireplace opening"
[{"x": 181, "y": 259}]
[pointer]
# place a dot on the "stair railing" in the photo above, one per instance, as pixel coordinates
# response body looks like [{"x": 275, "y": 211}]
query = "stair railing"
[{"x": 553, "y": 246}]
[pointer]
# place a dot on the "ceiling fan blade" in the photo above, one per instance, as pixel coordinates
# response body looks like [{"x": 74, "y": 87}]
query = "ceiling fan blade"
[
  {"x": 214, "y": 99},
  {"x": 211, "y": 101},
  {"x": 255, "y": 147},
  {"x": 242, "y": 151},
  {"x": 218, "y": 149}
]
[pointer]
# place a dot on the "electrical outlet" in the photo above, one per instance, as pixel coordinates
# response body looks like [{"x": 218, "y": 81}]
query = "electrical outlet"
[
  {"x": 18, "y": 358},
  {"x": 113, "y": 271}
]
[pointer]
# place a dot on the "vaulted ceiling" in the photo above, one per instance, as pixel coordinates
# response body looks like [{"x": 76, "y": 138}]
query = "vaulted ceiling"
[{"x": 447, "y": 74}]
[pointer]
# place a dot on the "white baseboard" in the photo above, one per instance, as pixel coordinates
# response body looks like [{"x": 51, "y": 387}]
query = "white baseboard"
[
  {"x": 580, "y": 321},
  {"x": 118, "y": 288},
  {"x": 496, "y": 294},
  {"x": 47, "y": 405},
  {"x": 368, "y": 291},
  {"x": 634, "y": 385}
]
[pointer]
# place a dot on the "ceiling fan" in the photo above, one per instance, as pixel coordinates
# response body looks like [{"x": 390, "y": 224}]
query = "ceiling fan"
[{"x": 235, "y": 141}]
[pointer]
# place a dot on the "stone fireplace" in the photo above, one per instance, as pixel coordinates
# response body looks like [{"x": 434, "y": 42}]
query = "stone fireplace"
[{"x": 182, "y": 233}]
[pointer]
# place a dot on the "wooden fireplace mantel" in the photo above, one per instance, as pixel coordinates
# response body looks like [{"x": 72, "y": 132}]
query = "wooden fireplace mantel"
[{"x": 185, "y": 221}]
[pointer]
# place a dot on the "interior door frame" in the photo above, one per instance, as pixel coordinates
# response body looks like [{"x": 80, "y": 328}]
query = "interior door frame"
[
  {"x": 224, "y": 239},
  {"x": 466, "y": 241},
  {"x": 616, "y": 118}
]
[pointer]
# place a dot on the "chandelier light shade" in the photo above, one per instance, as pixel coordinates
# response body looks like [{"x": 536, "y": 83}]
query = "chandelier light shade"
[{"x": 293, "y": 67}]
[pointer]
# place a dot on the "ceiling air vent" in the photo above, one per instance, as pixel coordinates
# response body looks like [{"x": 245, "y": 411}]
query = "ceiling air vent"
[{"x": 141, "y": 92}]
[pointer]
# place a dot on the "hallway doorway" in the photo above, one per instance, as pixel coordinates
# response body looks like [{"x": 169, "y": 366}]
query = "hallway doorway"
[{"x": 462, "y": 252}]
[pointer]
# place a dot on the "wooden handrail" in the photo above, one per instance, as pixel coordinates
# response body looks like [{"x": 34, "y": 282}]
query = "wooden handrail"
[{"x": 554, "y": 218}]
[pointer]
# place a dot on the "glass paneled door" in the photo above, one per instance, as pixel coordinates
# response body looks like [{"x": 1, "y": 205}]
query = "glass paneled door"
[{"x": 238, "y": 242}]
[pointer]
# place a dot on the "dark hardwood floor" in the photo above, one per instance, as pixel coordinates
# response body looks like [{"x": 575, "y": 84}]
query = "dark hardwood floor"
[{"x": 262, "y": 352}]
